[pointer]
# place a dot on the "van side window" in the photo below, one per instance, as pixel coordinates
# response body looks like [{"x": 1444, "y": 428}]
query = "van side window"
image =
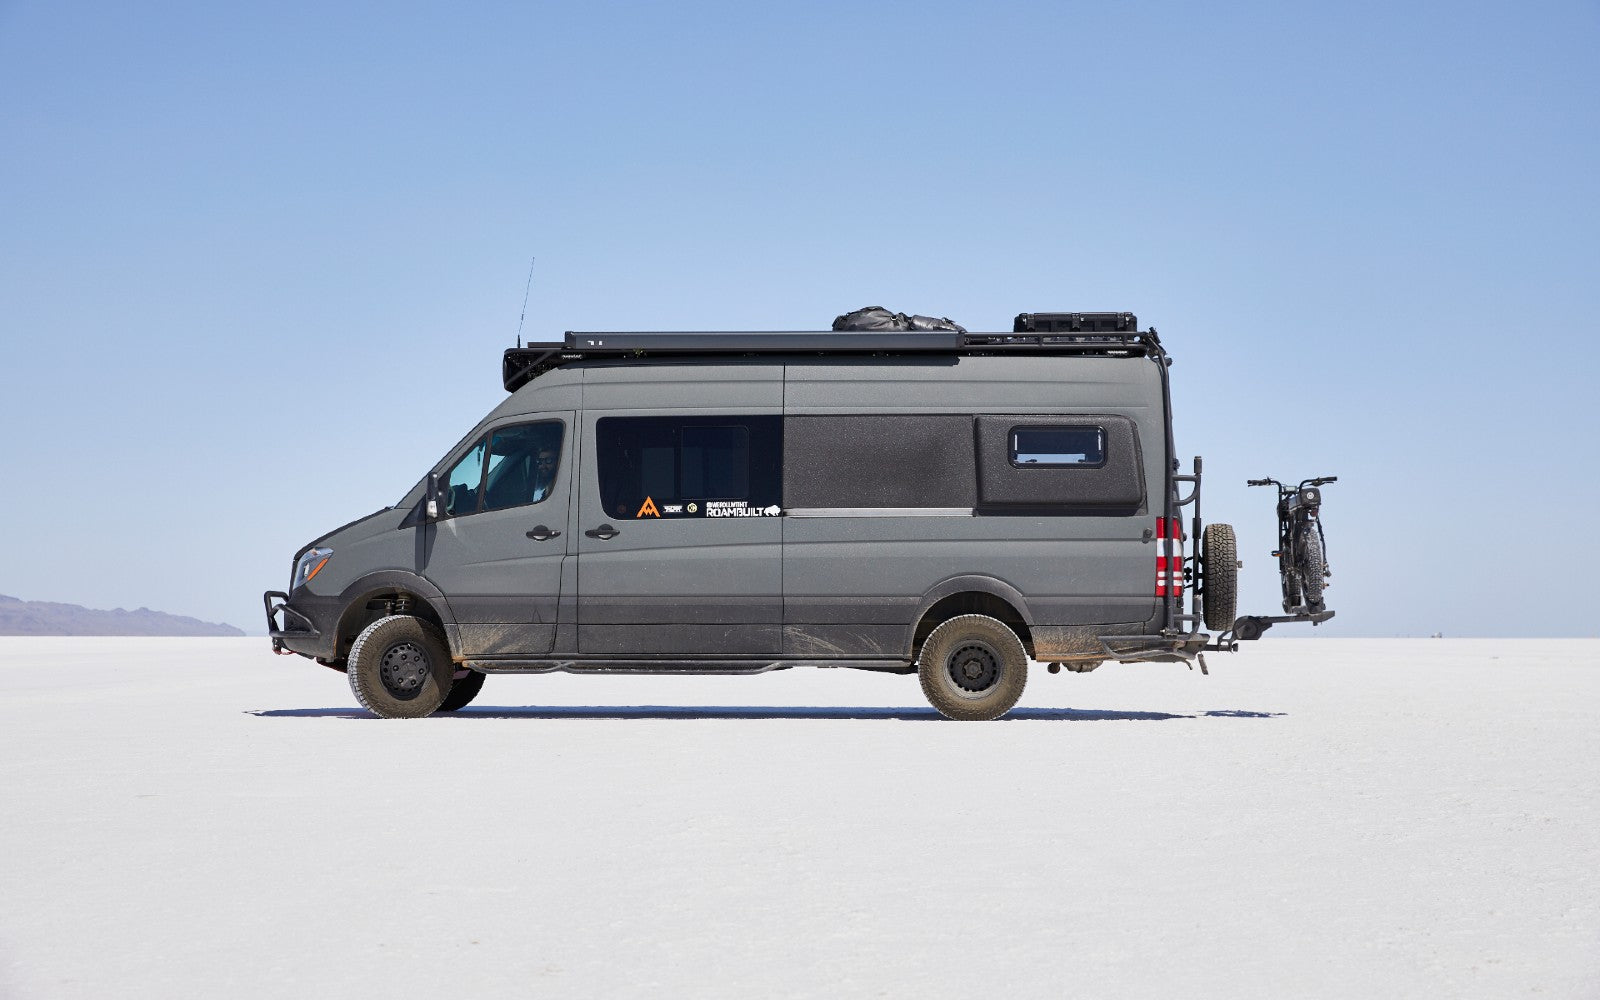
[
  {"x": 461, "y": 495},
  {"x": 523, "y": 461},
  {"x": 1058, "y": 446},
  {"x": 675, "y": 467},
  {"x": 1087, "y": 464}
]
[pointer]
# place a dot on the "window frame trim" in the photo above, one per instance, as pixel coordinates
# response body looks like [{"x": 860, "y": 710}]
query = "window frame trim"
[{"x": 1011, "y": 450}]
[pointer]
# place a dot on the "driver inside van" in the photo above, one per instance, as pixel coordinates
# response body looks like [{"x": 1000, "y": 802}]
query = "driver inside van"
[
  {"x": 544, "y": 473},
  {"x": 523, "y": 462}
]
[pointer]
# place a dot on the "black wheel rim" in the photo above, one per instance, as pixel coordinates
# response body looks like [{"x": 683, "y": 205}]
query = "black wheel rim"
[
  {"x": 403, "y": 669},
  {"x": 974, "y": 667}
]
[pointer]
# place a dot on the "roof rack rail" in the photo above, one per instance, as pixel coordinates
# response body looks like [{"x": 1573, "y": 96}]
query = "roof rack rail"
[{"x": 521, "y": 365}]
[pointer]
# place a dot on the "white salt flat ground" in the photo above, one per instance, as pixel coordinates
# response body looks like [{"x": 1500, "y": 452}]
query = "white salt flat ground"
[{"x": 1318, "y": 818}]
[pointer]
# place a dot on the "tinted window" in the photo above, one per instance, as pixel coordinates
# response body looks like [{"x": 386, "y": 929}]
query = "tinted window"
[
  {"x": 714, "y": 461},
  {"x": 1058, "y": 446},
  {"x": 523, "y": 461},
  {"x": 674, "y": 467}
]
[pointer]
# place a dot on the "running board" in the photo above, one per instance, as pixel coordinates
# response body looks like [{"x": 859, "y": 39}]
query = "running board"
[{"x": 575, "y": 665}]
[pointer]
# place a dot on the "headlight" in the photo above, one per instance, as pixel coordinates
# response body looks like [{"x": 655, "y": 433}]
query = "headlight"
[{"x": 309, "y": 566}]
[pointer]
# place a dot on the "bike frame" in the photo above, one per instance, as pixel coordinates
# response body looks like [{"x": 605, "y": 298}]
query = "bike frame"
[
  {"x": 1297, "y": 509},
  {"x": 1297, "y": 506}
]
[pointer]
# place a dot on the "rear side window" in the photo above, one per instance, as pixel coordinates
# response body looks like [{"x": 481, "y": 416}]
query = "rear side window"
[
  {"x": 679, "y": 467},
  {"x": 1057, "y": 447},
  {"x": 1072, "y": 464}
]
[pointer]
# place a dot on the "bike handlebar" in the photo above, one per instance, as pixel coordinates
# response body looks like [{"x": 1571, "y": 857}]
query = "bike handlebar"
[{"x": 1319, "y": 481}]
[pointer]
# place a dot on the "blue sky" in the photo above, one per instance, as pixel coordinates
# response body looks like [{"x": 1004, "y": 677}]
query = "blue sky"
[{"x": 257, "y": 264}]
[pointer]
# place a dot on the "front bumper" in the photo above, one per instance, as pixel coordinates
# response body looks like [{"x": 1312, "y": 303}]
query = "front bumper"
[{"x": 310, "y": 624}]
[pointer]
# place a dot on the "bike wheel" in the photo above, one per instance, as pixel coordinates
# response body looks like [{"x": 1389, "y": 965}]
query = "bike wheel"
[{"x": 1311, "y": 566}]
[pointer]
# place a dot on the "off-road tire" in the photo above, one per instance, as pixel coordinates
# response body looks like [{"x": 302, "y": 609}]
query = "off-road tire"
[
  {"x": 462, "y": 692},
  {"x": 1308, "y": 554},
  {"x": 416, "y": 688},
  {"x": 986, "y": 647},
  {"x": 1219, "y": 559}
]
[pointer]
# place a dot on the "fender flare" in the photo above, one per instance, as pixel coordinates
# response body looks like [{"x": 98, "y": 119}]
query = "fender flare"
[
  {"x": 973, "y": 584},
  {"x": 365, "y": 588}
]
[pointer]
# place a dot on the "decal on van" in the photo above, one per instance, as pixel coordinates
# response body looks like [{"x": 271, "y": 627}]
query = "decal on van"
[
  {"x": 729, "y": 508},
  {"x": 707, "y": 508},
  {"x": 738, "y": 508}
]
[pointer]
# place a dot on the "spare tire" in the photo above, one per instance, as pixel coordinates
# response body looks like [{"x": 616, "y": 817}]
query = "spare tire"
[{"x": 1219, "y": 564}]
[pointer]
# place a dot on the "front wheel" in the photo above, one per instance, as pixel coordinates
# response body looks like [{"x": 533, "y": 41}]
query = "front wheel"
[
  {"x": 973, "y": 668},
  {"x": 400, "y": 668}
]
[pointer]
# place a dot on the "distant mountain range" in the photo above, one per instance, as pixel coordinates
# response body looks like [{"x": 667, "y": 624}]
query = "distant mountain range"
[{"x": 18, "y": 617}]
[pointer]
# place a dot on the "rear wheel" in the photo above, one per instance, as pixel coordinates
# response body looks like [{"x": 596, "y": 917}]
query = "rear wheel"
[
  {"x": 400, "y": 668},
  {"x": 972, "y": 668},
  {"x": 1219, "y": 559},
  {"x": 1308, "y": 553},
  {"x": 463, "y": 691}
]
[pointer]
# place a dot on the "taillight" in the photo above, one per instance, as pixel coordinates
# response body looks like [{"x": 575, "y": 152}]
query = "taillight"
[{"x": 1169, "y": 557}]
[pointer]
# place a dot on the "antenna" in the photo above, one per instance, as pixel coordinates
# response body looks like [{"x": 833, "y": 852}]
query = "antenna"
[{"x": 525, "y": 292}]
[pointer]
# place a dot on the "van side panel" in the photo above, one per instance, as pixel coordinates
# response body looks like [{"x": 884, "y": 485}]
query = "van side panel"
[
  {"x": 878, "y": 460},
  {"x": 678, "y": 585},
  {"x": 855, "y": 577}
]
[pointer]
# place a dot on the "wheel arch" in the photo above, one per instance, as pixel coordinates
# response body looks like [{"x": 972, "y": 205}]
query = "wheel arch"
[
  {"x": 384, "y": 593},
  {"x": 970, "y": 595}
]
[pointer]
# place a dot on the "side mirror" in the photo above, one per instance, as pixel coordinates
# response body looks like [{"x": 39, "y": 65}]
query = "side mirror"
[{"x": 430, "y": 505}]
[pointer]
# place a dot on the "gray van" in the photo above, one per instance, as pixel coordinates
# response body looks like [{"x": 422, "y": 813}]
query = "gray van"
[{"x": 943, "y": 503}]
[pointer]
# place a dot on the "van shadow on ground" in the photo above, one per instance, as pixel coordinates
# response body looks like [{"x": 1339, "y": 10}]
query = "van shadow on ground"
[{"x": 593, "y": 712}]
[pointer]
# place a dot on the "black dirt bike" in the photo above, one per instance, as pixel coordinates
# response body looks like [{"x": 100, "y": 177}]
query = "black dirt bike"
[{"x": 1302, "y": 548}]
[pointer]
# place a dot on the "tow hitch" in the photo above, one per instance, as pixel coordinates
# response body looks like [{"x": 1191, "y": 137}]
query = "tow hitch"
[{"x": 1248, "y": 627}]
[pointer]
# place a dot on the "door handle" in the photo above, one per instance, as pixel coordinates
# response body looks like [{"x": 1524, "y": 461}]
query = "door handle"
[
  {"x": 540, "y": 533},
  {"x": 604, "y": 531}
]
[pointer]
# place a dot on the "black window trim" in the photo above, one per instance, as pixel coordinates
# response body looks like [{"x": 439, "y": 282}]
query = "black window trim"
[{"x": 1011, "y": 449}]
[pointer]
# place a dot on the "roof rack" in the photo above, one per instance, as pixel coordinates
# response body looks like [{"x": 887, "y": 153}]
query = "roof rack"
[{"x": 523, "y": 364}]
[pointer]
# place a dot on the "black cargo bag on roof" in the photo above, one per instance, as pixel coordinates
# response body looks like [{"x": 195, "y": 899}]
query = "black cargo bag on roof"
[{"x": 879, "y": 318}]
